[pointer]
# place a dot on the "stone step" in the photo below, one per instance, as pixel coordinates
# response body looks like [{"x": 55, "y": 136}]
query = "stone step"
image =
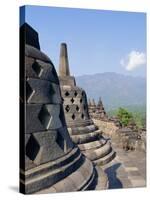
[
  {"x": 79, "y": 123},
  {"x": 51, "y": 166},
  {"x": 98, "y": 153},
  {"x": 104, "y": 160},
  {"x": 81, "y": 130},
  {"x": 91, "y": 183},
  {"x": 79, "y": 180},
  {"x": 92, "y": 145},
  {"x": 51, "y": 177},
  {"x": 84, "y": 138}
]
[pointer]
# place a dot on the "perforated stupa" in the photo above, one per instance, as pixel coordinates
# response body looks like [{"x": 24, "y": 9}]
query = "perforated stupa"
[
  {"x": 50, "y": 162},
  {"x": 80, "y": 126}
]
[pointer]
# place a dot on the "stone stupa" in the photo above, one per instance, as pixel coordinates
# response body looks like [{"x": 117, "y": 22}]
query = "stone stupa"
[
  {"x": 92, "y": 107},
  {"x": 49, "y": 160},
  {"x": 80, "y": 126},
  {"x": 100, "y": 111}
]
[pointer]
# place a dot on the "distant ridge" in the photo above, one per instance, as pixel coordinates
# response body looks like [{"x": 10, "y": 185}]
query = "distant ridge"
[{"x": 115, "y": 89}]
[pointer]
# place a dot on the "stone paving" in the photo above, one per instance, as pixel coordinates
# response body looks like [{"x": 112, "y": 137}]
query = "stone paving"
[{"x": 127, "y": 170}]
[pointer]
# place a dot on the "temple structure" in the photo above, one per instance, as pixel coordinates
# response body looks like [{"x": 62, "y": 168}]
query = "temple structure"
[
  {"x": 92, "y": 107},
  {"x": 80, "y": 126},
  {"x": 49, "y": 160},
  {"x": 97, "y": 111}
]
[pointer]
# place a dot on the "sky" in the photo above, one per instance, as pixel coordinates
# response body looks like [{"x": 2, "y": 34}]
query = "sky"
[{"x": 98, "y": 41}]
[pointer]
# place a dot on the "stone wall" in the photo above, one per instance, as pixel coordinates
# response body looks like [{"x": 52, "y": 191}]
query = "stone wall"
[{"x": 108, "y": 127}]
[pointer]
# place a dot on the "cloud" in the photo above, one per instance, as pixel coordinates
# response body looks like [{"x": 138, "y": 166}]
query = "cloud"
[{"x": 133, "y": 60}]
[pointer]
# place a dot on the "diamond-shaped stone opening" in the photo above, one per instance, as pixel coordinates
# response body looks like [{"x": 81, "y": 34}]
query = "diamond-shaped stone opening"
[
  {"x": 60, "y": 141},
  {"x": 32, "y": 148},
  {"x": 51, "y": 90},
  {"x": 37, "y": 68},
  {"x": 75, "y": 93},
  {"x": 82, "y": 116},
  {"x": 72, "y": 100},
  {"x": 77, "y": 108},
  {"x": 44, "y": 117},
  {"x": 84, "y": 107},
  {"x": 73, "y": 116},
  {"x": 29, "y": 91},
  {"x": 81, "y": 100},
  {"x": 61, "y": 115},
  {"x": 67, "y": 94},
  {"x": 82, "y": 93},
  {"x": 67, "y": 108}
]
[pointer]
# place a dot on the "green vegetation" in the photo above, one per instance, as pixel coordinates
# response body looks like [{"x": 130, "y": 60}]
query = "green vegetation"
[
  {"x": 124, "y": 116},
  {"x": 129, "y": 114}
]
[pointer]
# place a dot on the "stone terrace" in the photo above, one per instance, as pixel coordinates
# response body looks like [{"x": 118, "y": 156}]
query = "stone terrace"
[{"x": 127, "y": 170}]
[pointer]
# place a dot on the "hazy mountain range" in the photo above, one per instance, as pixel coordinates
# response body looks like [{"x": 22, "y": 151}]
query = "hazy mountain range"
[{"x": 115, "y": 89}]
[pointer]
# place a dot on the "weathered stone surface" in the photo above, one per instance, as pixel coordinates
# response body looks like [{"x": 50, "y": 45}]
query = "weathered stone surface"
[
  {"x": 80, "y": 126},
  {"x": 30, "y": 35},
  {"x": 108, "y": 127},
  {"x": 45, "y": 180},
  {"x": 53, "y": 120},
  {"x": 64, "y": 69},
  {"x": 82, "y": 130},
  {"x": 74, "y": 182},
  {"x": 42, "y": 117},
  {"x": 92, "y": 145},
  {"x": 74, "y": 154},
  {"x": 84, "y": 138},
  {"x": 52, "y": 147},
  {"x": 33, "y": 123},
  {"x": 37, "y": 91},
  {"x": 32, "y": 52},
  {"x": 38, "y": 69},
  {"x": 97, "y": 111},
  {"x": 49, "y": 155},
  {"x": 128, "y": 138},
  {"x": 126, "y": 171},
  {"x": 95, "y": 154}
]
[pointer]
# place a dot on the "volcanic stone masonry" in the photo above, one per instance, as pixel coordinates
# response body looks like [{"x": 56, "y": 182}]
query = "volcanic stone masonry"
[
  {"x": 128, "y": 138},
  {"x": 50, "y": 162},
  {"x": 80, "y": 126},
  {"x": 97, "y": 111}
]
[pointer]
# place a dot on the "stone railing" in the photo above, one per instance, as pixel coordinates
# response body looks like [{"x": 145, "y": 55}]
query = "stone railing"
[{"x": 107, "y": 127}]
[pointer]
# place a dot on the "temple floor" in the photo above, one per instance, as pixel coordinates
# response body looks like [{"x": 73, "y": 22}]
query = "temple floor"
[{"x": 127, "y": 169}]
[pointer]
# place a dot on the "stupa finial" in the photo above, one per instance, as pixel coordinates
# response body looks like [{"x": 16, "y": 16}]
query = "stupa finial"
[
  {"x": 100, "y": 102},
  {"x": 63, "y": 61},
  {"x": 93, "y": 102}
]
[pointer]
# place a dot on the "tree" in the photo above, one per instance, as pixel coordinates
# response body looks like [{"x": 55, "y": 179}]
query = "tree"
[{"x": 124, "y": 116}]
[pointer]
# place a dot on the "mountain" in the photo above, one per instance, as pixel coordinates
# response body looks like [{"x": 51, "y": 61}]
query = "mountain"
[{"x": 116, "y": 90}]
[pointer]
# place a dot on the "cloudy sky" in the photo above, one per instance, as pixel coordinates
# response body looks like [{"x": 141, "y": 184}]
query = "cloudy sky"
[{"x": 98, "y": 41}]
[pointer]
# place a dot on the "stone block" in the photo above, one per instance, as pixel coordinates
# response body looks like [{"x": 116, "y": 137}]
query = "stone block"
[
  {"x": 41, "y": 91},
  {"x": 54, "y": 111},
  {"x": 51, "y": 149},
  {"x": 35, "y": 53},
  {"x": 33, "y": 123},
  {"x": 42, "y": 117},
  {"x": 69, "y": 144},
  {"x": 55, "y": 164},
  {"x": 38, "y": 69}
]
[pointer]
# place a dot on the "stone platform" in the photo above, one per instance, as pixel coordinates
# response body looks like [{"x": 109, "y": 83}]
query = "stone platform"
[{"x": 127, "y": 170}]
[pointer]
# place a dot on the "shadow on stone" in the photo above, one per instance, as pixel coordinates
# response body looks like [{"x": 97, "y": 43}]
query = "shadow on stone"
[{"x": 114, "y": 182}]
